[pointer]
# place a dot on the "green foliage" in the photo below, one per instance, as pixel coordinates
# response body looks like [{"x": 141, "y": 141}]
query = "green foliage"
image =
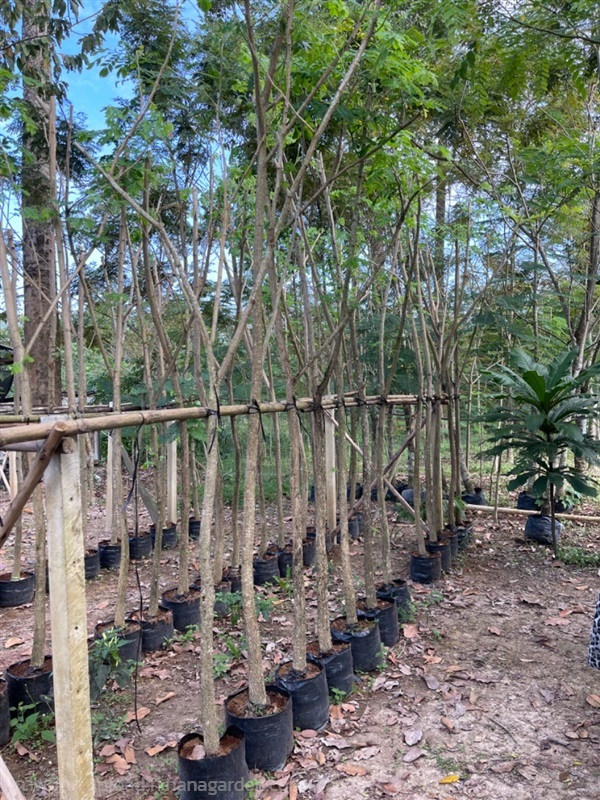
[
  {"x": 541, "y": 425},
  {"x": 105, "y": 663},
  {"x": 337, "y": 696},
  {"x": 578, "y": 556},
  {"x": 31, "y": 726},
  {"x": 541, "y": 422}
]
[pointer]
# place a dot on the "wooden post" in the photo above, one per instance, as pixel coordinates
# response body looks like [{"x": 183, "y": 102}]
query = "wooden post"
[
  {"x": 69, "y": 625},
  {"x": 330, "y": 470},
  {"x": 108, "y": 517},
  {"x": 8, "y": 787},
  {"x": 171, "y": 480}
]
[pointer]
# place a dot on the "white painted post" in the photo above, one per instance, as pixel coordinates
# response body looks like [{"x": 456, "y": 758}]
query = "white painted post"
[
  {"x": 171, "y": 481},
  {"x": 330, "y": 469},
  {"x": 69, "y": 625}
]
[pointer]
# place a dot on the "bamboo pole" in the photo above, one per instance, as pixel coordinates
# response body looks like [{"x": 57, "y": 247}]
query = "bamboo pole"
[
  {"x": 330, "y": 470},
  {"x": 527, "y": 513},
  {"x": 125, "y": 419}
]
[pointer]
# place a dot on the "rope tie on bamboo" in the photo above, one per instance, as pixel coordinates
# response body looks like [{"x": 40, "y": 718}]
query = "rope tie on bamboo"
[
  {"x": 214, "y": 412},
  {"x": 382, "y": 400},
  {"x": 299, "y": 412},
  {"x": 254, "y": 408},
  {"x": 134, "y": 476}
]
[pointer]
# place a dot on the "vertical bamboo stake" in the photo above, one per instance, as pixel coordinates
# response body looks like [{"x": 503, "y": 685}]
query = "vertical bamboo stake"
[
  {"x": 69, "y": 626},
  {"x": 330, "y": 470},
  {"x": 172, "y": 483},
  {"x": 108, "y": 516}
]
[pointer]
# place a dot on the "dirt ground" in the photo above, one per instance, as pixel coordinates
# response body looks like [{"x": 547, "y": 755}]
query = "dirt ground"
[{"x": 486, "y": 695}]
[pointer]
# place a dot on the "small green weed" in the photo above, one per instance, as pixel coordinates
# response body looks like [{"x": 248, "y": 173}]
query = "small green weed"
[
  {"x": 31, "y": 726},
  {"x": 337, "y": 697},
  {"x": 105, "y": 662},
  {"x": 407, "y": 613},
  {"x": 578, "y": 556},
  {"x": 264, "y": 605},
  {"x": 107, "y": 726},
  {"x": 222, "y": 664}
]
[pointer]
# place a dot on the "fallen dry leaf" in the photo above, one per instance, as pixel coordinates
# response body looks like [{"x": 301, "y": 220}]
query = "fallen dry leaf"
[
  {"x": 129, "y": 754},
  {"x": 432, "y": 682},
  {"x": 158, "y": 748},
  {"x": 108, "y": 750},
  {"x": 25, "y": 751},
  {"x": 447, "y": 723},
  {"x": 164, "y": 698},
  {"x": 141, "y": 713},
  {"x": 390, "y": 788},
  {"x": 410, "y": 631},
  {"x": 352, "y": 769},
  {"x": 495, "y": 631},
  {"x": 593, "y": 700},
  {"x": 366, "y": 752},
  {"x": 13, "y": 641},
  {"x": 103, "y": 604},
  {"x": 412, "y": 736},
  {"x": 450, "y": 779},
  {"x": 119, "y": 764},
  {"x": 293, "y": 790},
  {"x": 413, "y": 754},
  {"x": 557, "y": 621}
]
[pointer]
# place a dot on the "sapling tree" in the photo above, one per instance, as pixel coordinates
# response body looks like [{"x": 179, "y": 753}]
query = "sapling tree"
[{"x": 541, "y": 425}]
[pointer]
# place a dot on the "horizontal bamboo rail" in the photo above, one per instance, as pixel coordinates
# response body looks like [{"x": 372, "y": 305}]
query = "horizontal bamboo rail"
[
  {"x": 527, "y": 513},
  {"x": 126, "y": 419}
]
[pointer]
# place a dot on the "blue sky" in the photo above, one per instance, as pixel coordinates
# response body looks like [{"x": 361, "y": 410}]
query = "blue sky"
[{"x": 88, "y": 91}]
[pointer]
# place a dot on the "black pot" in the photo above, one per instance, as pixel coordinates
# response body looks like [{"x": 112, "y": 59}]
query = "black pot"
[
  {"x": 309, "y": 552},
  {"x": 464, "y": 536},
  {"x": 452, "y": 538},
  {"x": 221, "y": 608},
  {"x": 234, "y": 576},
  {"x": 310, "y": 697},
  {"x": 30, "y": 687},
  {"x": 110, "y": 555},
  {"x": 169, "y": 536},
  {"x": 185, "y": 608},
  {"x": 443, "y": 548},
  {"x": 140, "y": 547},
  {"x": 285, "y": 560},
  {"x": 156, "y": 631},
  {"x": 270, "y": 738},
  {"x": 364, "y": 641},
  {"x": 526, "y": 502},
  {"x": 220, "y": 777},
  {"x": 16, "y": 593},
  {"x": 130, "y": 648},
  {"x": 265, "y": 570},
  {"x": 358, "y": 491},
  {"x": 538, "y": 528},
  {"x": 194, "y": 529},
  {"x": 425, "y": 569},
  {"x": 476, "y": 499},
  {"x": 4, "y": 714},
  {"x": 388, "y": 621},
  {"x": 354, "y": 527},
  {"x": 91, "y": 562},
  {"x": 397, "y": 591},
  {"x": 339, "y": 667}
]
